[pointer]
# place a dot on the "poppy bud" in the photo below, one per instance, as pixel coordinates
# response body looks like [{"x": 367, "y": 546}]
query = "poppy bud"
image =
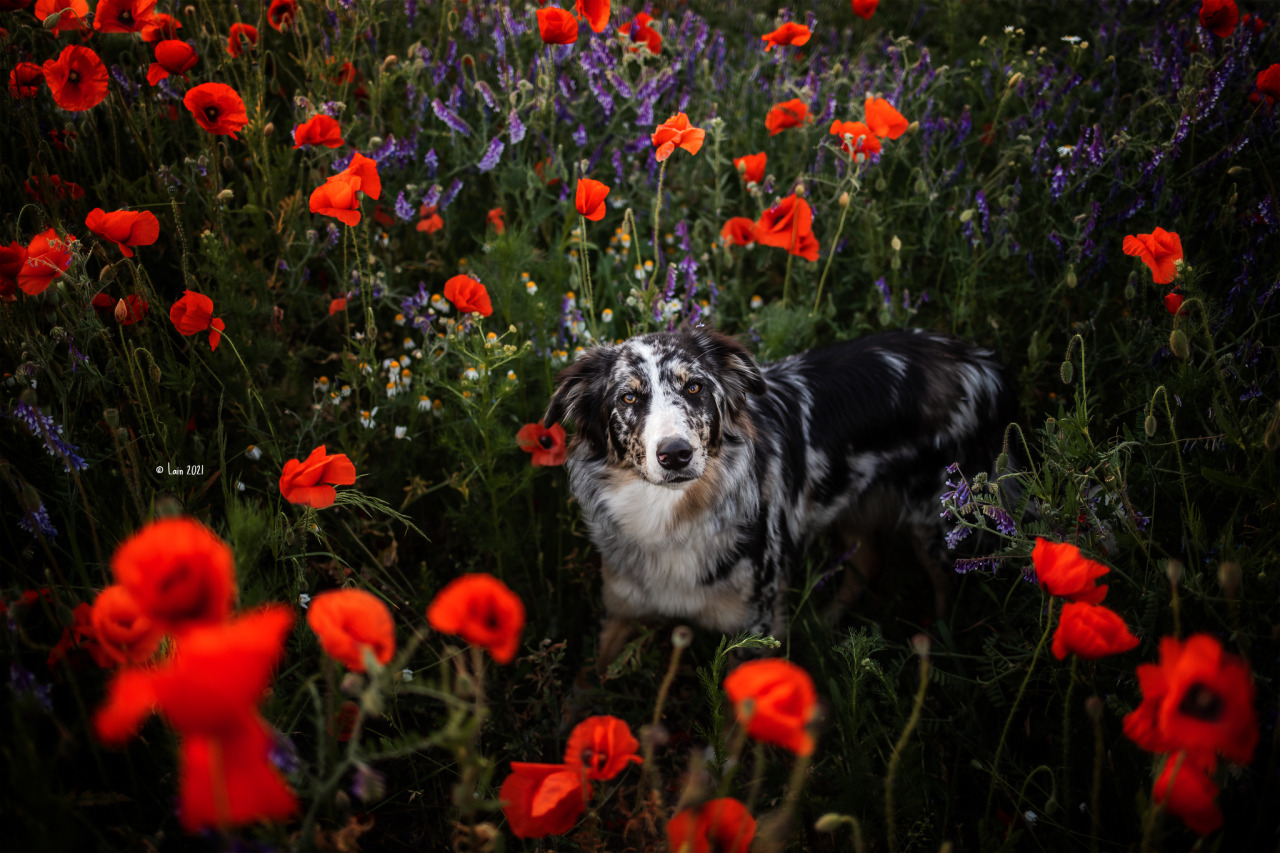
[
  {"x": 52, "y": 21},
  {"x": 682, "y": 636},
  {"x": 375, "y": 141},
  {"x": 155, "y": 373},
  {"x": 1129, "y": 292},
  {"x": 895, "y": 243},
  {"x": 228, "y": 164},
  {"x": 1071, "y": 279},
  {"x": 800, "y": 191},
  {"x": 1067, "y": 371},
  {"x": 913, "y": 128},
  {"x": 122, "y": 435},
  {"x": 1229, "y": 578},
  {"x": 226, "y": 195},
  {"x": 829, "y": 822},
  {"x": 966, "y": 214},
  {"x": 390, "y": 62},
  {"x": 920, "y": 644},
  {"x": 1015, "y": 79},
  {"x": 269, "y": 128},
  {"x": 1149, "y": 425},
  {"x": 1002, "y": 461},
  {"x": 107, "y": 273},
  {"x": 111, "y": 417},
  {"x": 1093, "y": 707},
  {"x": 122, "y": 311},
  {"x": 1173, "y": 570},
  {"x": 1236, "y": 170},
  {"x": 1178, "y": 344}
]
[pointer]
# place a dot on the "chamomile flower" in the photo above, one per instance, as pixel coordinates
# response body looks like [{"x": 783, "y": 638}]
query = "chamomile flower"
[
  {"x": 578, "y": 353},
  {"x": 511, "y": 376},
  {"x": 392, "y": 389},
  {"x": 335, "y": 397},
  {"x": 346, "y": 390},
  {"x": 639, "y": 272},
  {"x": 437, "y": 408},
  {"x": 756, "y": 302},
  {"x": 424, "y": 403},
  {"x": 253, "y": 452},
  {"x": 239, "y": 485},
  {"x": 439, "y": 305},
  {"x": 364, "y": 368},
  {"x": 531, "y": 287},
  {"x": 322, "y": 384},
  {"x": 559, "y": 357},
  {"x": 606, "y": 316},
  {"x": 490, "y": 339},
  {"x": 406, "y": 377},
  {"x": 400, "y": 321},
  {"x": 402, "y": 432},
  {"x": 570, "y": 300},
  {"x": 366, "y": 417},
  {"x": 407, "y": 345},
  {"x": 470, "y": 375}
]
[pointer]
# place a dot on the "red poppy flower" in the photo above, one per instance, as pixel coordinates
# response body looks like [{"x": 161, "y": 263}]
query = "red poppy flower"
[
  {"x": 865, "y": 8},
  {"x": 468, "y": 295},
  {"x": 862, "y": 140},
  {"x": 281, "y": 14},
  {"x": 26, "y": 77},
  {"x": 1268, "y": 83},
  {"x": 81, "y": 638},
  {"x": 173, "y": 56},
  {"x": 596, "y": 14},
  {"x": 431, "y": 221},
  {"x": 783, "y": 702},
  {"x": 338, "y": 305},
  {"x": 1184, "y": 788},
  {"x": 542, "y": 799},
  {"x": 482, "y": 610},
  {"x": 54, "y": 189},
  {"x": 1219, "y": 16},
  {"x": 883, "y": 120},
  {"x": 1173, "y": 302},
  {"x": 1091, "y": 631},
  {"x": 791, "y": 217},
  {"x": 546, "y": 445},
  {"x": 179, "y": 572},
  {"x": 345, "y": 73},
  {"x": 77, "y": 78},
  {"x": 640, "y": 31},
  {"x": 310, "y": 482},
  {"x": 366, "y": 170},
  {"x": 557, "y": 26},
  {"x": 677, "y": 132},
  {"x": 739, "y": 231},
  {"x": 75, "y": 13},
  {"x": 751, "y": 167},
  {"x": 122, "y": 16},
  {"x": 123, "y": 630},
  {"x": 125, "y": 228},
  {"x": 789, "y": 33},
  {"x": 1062, "y": 570},
  {"x": 242, "y": 37},
  {"x": 217, "y": 108},
  {"x": 1158, "y": 250},
  {"x": 160, "y": 27},
  {"x": 348, "y": 621},
  {"x": 337, "y": 197},
  {"x": 12, "y": 259},
  {"x": 193, "y": 313},
  {"x": 589, "y": 198},
  {"x": 318, "y": 130},
  {"x": 130, "y": 310},
  {"x": 47, "y": 257},
  {"x": 540, "y": 168},
  {"x": 230, "y": 780},
  {"x": 1197, "y": 698},
  {"x": 717, "y": 826},
  {"x": 602, "y": 746},
  {"x": 1252, "y": 23},
  {"x": 792, "y": 113},
  {"x": 494, "y": 218}
]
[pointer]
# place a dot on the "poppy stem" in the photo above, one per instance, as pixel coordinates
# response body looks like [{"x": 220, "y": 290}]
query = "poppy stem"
[
  {"x": 648, "y": 772},
  {"x": 1065, "y": 787},
  {"x": 898, "y": 747},
  {"x": 1004, "y": 735},
  {"x": 791, "y": 253},
  {"x": 1177, "y": 452},
  {"x": 831, "y": 254},
  {"x": 586, "y": 277},
  {"x": 657, "y": 215},
  {"x": 1096, "y": 800}
]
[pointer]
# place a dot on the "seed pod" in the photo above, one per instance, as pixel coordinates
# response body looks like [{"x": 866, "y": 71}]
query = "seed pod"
[
  {"x": 226, "y": 195},
  {"x": 1129, "y": 292},
  {"x": 844, "y": 200},
  {"x": 269, "y": 128},
  {"x": 1071, "y": 279},
  {"x": 913, "y": 128},
  {"x": 1067, "y": 371},
  {"x": 829, "y": 822},
  {"x": 1178, "y": 344},
  {"x": 682, "y": 636},
  {"x": 155, "y": 373},
  {"x": 1149, "y": 425},
  {"x": 895, "y": 243}
]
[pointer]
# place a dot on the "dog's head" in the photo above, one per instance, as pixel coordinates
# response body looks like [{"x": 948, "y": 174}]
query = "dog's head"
[{"x": 658, "y": 405}]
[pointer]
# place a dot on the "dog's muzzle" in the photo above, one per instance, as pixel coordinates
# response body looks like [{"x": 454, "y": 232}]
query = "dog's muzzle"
[{"x": 674, "y": 453}]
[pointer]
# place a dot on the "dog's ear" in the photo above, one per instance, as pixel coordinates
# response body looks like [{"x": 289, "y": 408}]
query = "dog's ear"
[
  {"x": 579, "y": 396},
  {"x": 740, "y": 373}
]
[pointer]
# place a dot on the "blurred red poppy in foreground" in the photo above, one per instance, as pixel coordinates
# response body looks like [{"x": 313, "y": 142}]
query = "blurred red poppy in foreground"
[
  {"x": 217, "y": 108},
  {"x": 546, "y": 445},
  {"x": 125, "y": 228},
  {"x": 1268, "y": 83},
  {"x": 12, "y": 259},
  {"x": 431, "y": 221},
  {"x": 723, "y": 826},
  {"x": 1184, "y": 788},
  {"x": 173, "y": 56},
  {"x": 792, "y": 113},
  {"x": 1063, "y": 571},
  {"x": 1158, "y": 250},
  {"x": 123, "y": 630},
  {"x": 782, "y": 702},
  {"x": 77, "y": 78},
  {"x": 122, "y": 16},
  {"x": 557, "y": 26},
  {"x": 602, "y": 747},
  {"x": 193, "y": 313},
  {"x": 310, "y": 482},
  {"x": 494, "y": 218},
  {"x": 865, "y": 8},
  {"x": 789, "y": 33},
  {"x": 318, "y": 130},
  {"x": 1091, "y": 631},
  {"x": 178, "y": 571},
  {"x": 468, "y": 295},
  {"x": 588, "y": 198},
  {"x": 1219, "y": 17},
  {"x": 241, "y": 37},
  {"x": 640, "y": 31},
  {"x": 739, "y": 231},
  {"x": 47, "y": 258},
  {"x": 348, "y": 621},
  {"x": 483, "y": 611},
  {"x": 542, "y": 799},
  {"x": 160, "y": 27}
]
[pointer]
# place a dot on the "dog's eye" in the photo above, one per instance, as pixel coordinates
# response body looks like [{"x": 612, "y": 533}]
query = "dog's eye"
[
  {"x": 693, "y": 387},
  {"x": 629, "y": 398}
]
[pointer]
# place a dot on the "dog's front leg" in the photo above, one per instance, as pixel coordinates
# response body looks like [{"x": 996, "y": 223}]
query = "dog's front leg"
[{"x": 617, "y": 625}]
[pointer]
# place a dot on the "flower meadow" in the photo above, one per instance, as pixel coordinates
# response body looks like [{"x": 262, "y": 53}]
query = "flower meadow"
[{"x": 289, "y": 557}]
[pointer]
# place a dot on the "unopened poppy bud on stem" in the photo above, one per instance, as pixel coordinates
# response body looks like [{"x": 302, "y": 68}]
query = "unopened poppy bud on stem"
[
  {"x": 1229, "y": 578},
  {"x": 1173, "y": 571},
  {"x": 920, "y": 644},
  {"x": 895, "y": 243},
  {"x": 1149, "y": 425},
  {"x": 226, "y": 195},
  {"x": 269, "y": 128},
  {"x": 1067, "y": 371},
  {"x": 913, "y": 128},
  {"x": 844, "y": 200},
  {"x": 1178, "y": 344},
  {"x": 112, "y": 418},
  {"x": 1015, "y": 79},
  {"x": 390, "y": 62},
  {"x": 1093, "y": 707},
  {"x": 829, "y": 822},
  {"x": 682, "y": 636}
]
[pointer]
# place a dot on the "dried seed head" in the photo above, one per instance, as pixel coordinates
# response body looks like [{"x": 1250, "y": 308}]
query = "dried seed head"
[{"x": 111, "y": 417}]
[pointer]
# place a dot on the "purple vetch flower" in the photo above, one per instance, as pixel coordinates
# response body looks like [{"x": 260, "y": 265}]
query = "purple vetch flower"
[
  {"x": 616, "y": 159},
  {"x": 432, "y": 197},
  {"x": 580, "y": 136},
  {"x": 1057, "y": 183},
  {"x": 1004, "y": 523},
  {"x": 331, "y": 235},
  {"x": 284, "y": 754},
  {"x": 367, "y": 784},
  {"x": 450, "y": 118},
  {"x": 884, "y": 291},
  {"x": 404, "y": 210},
  {"x": 24, "y": 684},
  {"x": 957, "y": 535},
  {"x": 492, "y": 156},
  {"x": 451, "y": 194},
  {"x": 43, "y": 427},
  {"x": 515, "y": 128},
  {"x": 36, "y": 521},
  {"x": 431, "y": 162}
]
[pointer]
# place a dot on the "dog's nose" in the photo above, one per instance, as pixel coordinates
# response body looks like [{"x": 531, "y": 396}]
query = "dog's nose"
[{"x": 674, "y": 453}]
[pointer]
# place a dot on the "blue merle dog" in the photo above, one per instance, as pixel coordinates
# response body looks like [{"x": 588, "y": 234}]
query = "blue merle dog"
[{"x": 703, "y": 475}]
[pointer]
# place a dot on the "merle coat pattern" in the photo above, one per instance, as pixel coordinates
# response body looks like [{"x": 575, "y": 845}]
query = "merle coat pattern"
[{"x": 702, "y": 475}]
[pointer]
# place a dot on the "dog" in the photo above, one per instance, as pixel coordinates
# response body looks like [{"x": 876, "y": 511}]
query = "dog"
[{"x": 702, "y": 475}]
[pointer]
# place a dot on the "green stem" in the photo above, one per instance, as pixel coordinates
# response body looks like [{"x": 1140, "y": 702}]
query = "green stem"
[
  {"x": 657, "y": 214},
  {"x": 791, "y": 255},
  {"x": 1065, "y": 789},
  {"x": 831, "y": 254},
  {"x": 677, "y": 650},
  {"x": 896, "y": 759}
]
